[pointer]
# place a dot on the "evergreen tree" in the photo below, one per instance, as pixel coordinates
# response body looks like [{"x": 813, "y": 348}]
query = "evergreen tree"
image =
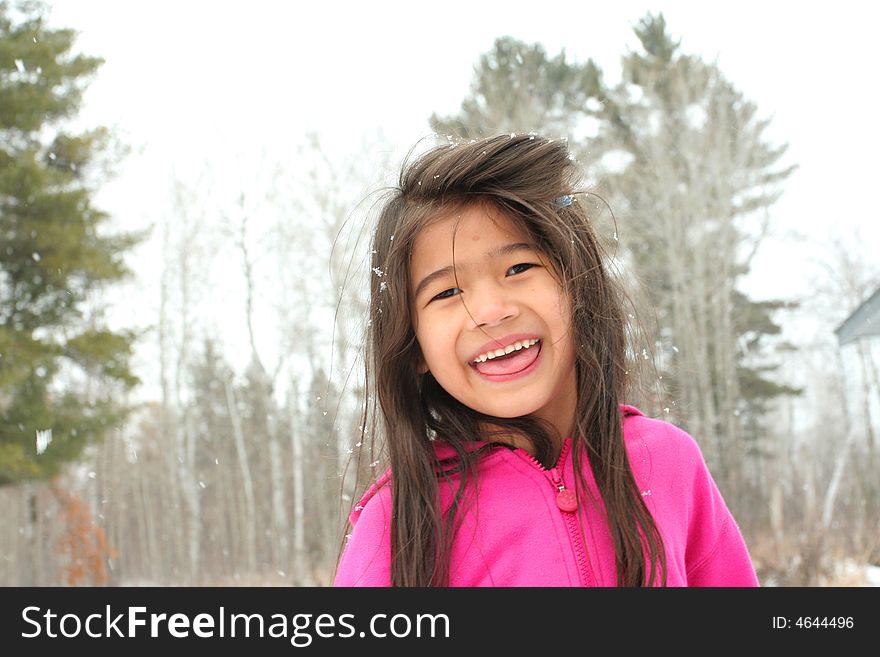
[
  {"x": 517, "y": 88},
  {"x": 53, "y": 255},
  {"x": 216, "y": 465},
  {"x": 692, "y": 177},
  {"x": 322, "y": 480}
]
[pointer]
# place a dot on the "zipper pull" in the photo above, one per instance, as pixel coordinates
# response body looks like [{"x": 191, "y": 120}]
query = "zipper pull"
[{"x": 566, "y": 499}]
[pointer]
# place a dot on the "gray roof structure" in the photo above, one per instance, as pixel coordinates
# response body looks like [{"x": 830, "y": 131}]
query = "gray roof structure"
[{"x": 864, "y": 322}]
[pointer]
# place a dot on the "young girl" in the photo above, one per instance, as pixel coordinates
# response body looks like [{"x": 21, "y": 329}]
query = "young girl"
[{"x": 497, "y": 350}]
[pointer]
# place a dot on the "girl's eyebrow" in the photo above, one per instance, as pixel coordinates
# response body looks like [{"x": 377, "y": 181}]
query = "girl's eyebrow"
[{"x": 498, "y": 252}]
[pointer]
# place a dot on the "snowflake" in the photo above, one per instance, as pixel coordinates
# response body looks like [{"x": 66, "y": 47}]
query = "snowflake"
[{"x": 44, "y": 437}]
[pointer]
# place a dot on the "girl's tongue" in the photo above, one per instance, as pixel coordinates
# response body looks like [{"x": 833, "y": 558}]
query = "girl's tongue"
[{"x": 511, "y": 363}]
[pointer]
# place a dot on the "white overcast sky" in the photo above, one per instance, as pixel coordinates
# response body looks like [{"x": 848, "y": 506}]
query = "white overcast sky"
[{"x": 187, "y": 81}]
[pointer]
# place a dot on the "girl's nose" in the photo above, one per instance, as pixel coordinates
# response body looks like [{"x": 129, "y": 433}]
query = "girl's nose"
[{"x": 492, "y": 305}]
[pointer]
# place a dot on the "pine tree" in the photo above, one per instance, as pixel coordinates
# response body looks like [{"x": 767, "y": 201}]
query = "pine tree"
[
  {"x": 54, "y": 255},
  {"x": 692, "y": 178},
  {"x": 518, "y": 88}
]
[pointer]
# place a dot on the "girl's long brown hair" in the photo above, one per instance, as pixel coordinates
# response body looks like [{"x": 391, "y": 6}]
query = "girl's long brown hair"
[{"x": 521, "y": 176}]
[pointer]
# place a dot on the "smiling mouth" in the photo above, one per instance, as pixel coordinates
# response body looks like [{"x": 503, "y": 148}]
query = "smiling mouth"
[
  {"x": 510, "y": 363},
  {"x": 508, "y": 350}
]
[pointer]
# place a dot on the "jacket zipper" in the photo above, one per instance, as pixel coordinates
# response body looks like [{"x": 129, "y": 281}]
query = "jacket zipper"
[{"x": 566, "y": 501}]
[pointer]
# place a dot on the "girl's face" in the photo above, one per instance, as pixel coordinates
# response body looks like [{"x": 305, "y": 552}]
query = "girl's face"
[{"x": 504, "y": 298}]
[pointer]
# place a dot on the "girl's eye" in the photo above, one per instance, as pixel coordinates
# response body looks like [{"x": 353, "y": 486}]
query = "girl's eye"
[
  {"x": 445, "y": 294},
  {"x": 525, "y": 265}
]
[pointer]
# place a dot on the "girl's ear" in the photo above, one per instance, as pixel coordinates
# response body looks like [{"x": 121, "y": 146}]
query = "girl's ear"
[{"x": 419, "y": 361}]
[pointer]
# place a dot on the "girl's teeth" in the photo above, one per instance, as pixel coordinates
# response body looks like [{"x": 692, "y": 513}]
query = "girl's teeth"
[{"x": 516, "y": 346}]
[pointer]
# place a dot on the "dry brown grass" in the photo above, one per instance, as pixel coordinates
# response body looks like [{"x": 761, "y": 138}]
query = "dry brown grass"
[{"x": 807, "y": 561}]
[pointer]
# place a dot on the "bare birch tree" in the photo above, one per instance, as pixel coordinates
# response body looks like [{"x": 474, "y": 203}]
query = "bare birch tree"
[{"x": 263, "y": 384}]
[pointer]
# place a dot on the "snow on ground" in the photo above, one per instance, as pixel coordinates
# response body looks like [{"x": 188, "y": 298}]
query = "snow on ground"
[{"x": 850, "y": 573}]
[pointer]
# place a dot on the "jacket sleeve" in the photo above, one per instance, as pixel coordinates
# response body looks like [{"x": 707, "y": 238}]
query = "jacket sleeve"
[
  {"x": 716, "y": 553},
  {"x": 366, "y": 559}
]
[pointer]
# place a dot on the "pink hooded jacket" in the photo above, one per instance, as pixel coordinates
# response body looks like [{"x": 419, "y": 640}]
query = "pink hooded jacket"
[{"x": 522, "y": 527}]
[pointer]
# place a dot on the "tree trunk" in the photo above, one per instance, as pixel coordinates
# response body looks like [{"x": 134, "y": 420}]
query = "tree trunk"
[
  {"x": 31, "y": 575},
  {"x": 148, "y": 511},
  {"x": 185, "y": 439},
  {"x": 300, "y": 558},
  {"x": 250, "y": 504}
]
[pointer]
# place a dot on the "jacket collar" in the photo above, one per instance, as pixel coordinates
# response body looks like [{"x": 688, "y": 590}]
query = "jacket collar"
[{"x": 444, "y": 451}]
